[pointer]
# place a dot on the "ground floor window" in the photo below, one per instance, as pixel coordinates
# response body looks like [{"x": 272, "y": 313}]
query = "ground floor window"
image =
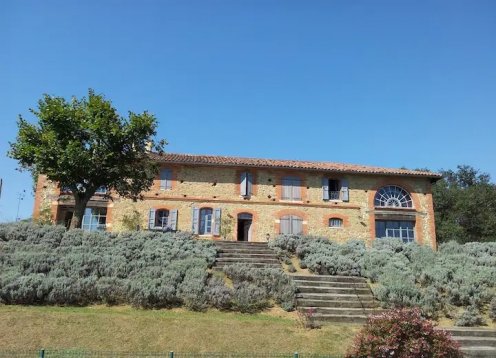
[
  {"x": 94, "y": 219},
  {"x": 404, "y": 230},
  {"x": 291, "y": 225},
  {"x": 161, "y": 218},
  {"x": 205, "y": 221}
]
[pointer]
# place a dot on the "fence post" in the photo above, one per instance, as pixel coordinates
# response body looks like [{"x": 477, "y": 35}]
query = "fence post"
[
  {"x": 171, "y": 354},
  {"x": 296, "y": 355},
  {"x": 42, "y": 353}
]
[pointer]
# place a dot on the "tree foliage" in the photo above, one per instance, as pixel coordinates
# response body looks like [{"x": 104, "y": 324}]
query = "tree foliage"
[
  {"x": 465, "y": 206},
  {"x": 84, "y": 143}
]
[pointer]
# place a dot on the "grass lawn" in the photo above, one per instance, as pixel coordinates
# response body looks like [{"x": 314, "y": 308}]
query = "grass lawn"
[{"x": 127, "y": 329}]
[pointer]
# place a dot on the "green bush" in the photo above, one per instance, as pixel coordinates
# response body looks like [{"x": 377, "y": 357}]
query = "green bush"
[
  {"x": 470, "y": 317},
  {"x": 492, "y": 309}
]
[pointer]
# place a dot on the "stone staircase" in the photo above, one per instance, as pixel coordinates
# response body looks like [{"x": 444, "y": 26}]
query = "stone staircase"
[
  {"x": 475, "y": 342},
  {"x": 256, "y": 254},
  {"x": 326, "y": 299}
]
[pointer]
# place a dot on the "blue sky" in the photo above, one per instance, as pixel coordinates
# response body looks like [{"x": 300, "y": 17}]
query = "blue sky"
[{"x": 389, "y": 83}]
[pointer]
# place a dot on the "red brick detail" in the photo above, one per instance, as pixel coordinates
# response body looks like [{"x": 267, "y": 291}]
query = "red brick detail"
[
  {"x": 279, "y": 214},
  {"x": 346, "y": 220}
]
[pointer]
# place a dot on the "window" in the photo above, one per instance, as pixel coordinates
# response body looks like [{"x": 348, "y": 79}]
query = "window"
[
  {"x": 165, "y": 179},
  {"x": 333, "y": 189},
  {"x": 205, "y": 221},
  {"x": 291, "y": 225},
  {"x": 161, "y": 218},
  {"x": 335, "y": 222},
  {"x": 246, "y": 184},
  {"x": 404, "y": 230},
  {"x": 94, "y": 219},
  {"x": 291, "y": 188},
  {"x": 102, "y": 190},
  {"x": 393, "y": 196}
]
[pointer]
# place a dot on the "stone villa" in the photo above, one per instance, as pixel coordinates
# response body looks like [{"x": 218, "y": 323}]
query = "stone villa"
[{"x": 249, "y": 199}]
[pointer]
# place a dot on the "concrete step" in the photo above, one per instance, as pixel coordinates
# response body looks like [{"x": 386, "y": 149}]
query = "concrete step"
[
  {"x": 331, "y": 284},
  {"x": 246, "y": 260},
  {"x": 470, "y": 332},
  {"x": 476, "y": 341},
  {"x": 479, "y": 352},
  {"x": 248, "y": 254},
  {"x": 340, "y": 310},
  {"x": 329, "y": 278},
  {"x": 326, "y": 318},
  {"x": 339, "y": 290},
  {"x": 334, "y": 296},
  {"x": 304, "y": 302}
]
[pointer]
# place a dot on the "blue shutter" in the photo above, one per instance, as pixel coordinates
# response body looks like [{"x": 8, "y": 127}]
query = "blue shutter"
[
  {"x": 151, "y": 219},
  {"x": 165, "y": 179},
  {"x": 173, "y": 219},
  {"x": 195, "y": 220},
  {"x": 244, "y": 184},
  {"x": 286, "y": 189},
  {"x": 249, "y": 184},
  {"x": 345, "y": 196},
  {"x": 325, "y": 189},
  {"x": 296, "y": 225},
  {"x": 217, "y": 217}
]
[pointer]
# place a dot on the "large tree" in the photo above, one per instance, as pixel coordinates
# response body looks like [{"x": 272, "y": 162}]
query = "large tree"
[
  {"x": 83, "y": 144},
  {"x": 465, "y": 206}
]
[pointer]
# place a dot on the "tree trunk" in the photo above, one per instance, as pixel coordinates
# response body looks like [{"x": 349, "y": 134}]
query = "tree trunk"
[{"x": 79, "y": 208}]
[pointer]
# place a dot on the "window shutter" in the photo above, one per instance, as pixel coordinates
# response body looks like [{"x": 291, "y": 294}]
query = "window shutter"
[
  {"x": 217, "y": 217},
  {"x": 165, "y": 179},
  {"x": 249, "y": 182},
  {"x": 296, "y": 225},
  {"x": 195, "y": 220},
  {"x": 286, "y": 189},
  {"x": 296, "y": 189},
  {"x": 284, "y": 225},
  {"x": 244, "y": 184},
  {"x": 325, "y": 189},
  {"x": 173, "y": 219},
  {"x": 345, "y": 195},
  {"x": 151, "y": 219}
]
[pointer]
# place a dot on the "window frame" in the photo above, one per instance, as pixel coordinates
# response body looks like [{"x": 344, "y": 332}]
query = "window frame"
[
  {"x": 92, "y": 225},
  {"x": 336, "y": 219},
  {"x": 291, "y": 219},
  {"x": 394, "y": 191},
  {"x": 203, "y": 223},
  {"x": 157, "y": 215},
  {"x": 294, "y": 187},
  {"x": 408, "y": 229}
]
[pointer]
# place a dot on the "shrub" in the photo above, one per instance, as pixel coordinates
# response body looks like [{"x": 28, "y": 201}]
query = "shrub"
[
  {"x": 402, "y": 333},
  {"x": 291, "y": 268},
  {"x": 249, "y": 298},
  {"x": 492, "y": 309},
  {"x": 219, "y": 295},
  {"x": 470, "y": 317}
]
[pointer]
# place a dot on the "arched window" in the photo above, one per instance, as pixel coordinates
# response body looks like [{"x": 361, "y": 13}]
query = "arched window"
[
  {"x": 205, "y": 221},
  {"x": 161, "y": 218},
  {"x": 291, "y": 225},
  {"x": 335, "y": 222},
  {"x": 393, "y": 196}
]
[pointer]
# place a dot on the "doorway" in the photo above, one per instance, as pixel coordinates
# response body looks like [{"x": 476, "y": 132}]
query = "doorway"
[{"x": 245, "y": 222}]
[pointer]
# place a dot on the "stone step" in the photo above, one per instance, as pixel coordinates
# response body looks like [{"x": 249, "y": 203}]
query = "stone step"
[
  {"x": 334, "y": 296},
  {"x": 326, "y": 318},
  {"x": 329, "y": 278},
  {"x": 304, "y": 302},
  {"x": 240, "y": 243},
  {"x": 246, "y": 251},
  {"x": 247, "y": 254},
  {"x": 470, "y": 332},
  {"x": 246, "y": 260},
  {"x": 340, "y": 310},
  {"x": 220, "y": 266},
  {"x": 339, "y": 290},
  {"x": 476, "y": 341},
  {"x": 479, "y": 352},
  {"x": 331, "y": 284}
]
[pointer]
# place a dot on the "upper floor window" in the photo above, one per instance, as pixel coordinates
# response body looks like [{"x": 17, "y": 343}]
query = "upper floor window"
[
  {"x": 335, "y": 222},
  {"x": 94, "y": 219},
  {"x": 393, "y": 196},
  {"x": 246, "y": 184},
  {"x": 291, "y": 188},
  {"x": 291, "y": 225},
  {"x": 165, "y": 179},
  {"x": 333, "y": 189}
]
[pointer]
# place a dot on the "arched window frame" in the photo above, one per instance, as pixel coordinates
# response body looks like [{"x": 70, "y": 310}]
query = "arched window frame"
[
  {"x": 336, "y": 223},
  {"x": 162, "y": 218},
  {"x": 291, "y": 225},
  {"x": 393, "y": 196}
]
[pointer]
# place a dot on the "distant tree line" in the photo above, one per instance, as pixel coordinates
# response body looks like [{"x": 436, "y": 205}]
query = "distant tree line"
[{"x": 465, "y": 206}]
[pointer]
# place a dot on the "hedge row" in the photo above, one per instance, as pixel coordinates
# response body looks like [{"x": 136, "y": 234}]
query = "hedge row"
[
  {"x": 52, "y": 265},
  {"x": 456, "y": 276}
]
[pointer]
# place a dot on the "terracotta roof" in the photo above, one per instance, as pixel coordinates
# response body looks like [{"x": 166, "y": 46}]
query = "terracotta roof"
[{"x": 217, "y": 160}]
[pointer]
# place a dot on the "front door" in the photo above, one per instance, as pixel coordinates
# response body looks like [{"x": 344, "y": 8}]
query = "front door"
[{"x": 244, "y": 227}]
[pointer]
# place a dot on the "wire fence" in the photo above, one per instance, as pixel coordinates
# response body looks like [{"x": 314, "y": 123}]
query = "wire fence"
[{"x": 49, "y": 353}]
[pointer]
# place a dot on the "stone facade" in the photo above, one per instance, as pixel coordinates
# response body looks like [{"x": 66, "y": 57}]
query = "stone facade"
[{"x": 219, "y": 187}]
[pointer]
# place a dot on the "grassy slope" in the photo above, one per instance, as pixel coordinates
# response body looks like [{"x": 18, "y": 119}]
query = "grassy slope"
[{"x": 128, "y": 329}]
